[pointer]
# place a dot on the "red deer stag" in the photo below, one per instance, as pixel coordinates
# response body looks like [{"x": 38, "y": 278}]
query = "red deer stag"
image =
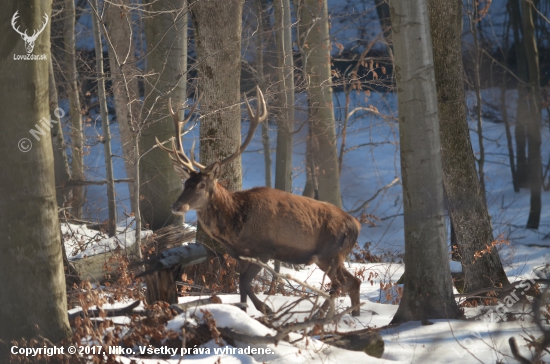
[{"x": 265, "y": 223}]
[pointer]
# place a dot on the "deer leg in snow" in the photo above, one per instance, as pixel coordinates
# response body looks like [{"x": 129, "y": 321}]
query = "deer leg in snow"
[
  {"x": 351, "y": 286},
  {"x": 247, "y": 274}
]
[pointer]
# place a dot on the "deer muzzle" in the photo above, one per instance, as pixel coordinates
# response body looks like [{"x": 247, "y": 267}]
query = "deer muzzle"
[{"x": 179, "y": 209}]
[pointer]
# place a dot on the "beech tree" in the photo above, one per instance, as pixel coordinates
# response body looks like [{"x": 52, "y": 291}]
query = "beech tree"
[
  {"x": 427, "y": 289},
  {"x": 468, "y": 210},
  {"x": 314, "y": 43},
  {"x": 217, "y": 30},
  {"x": 33, "y": 299},
  {"x": 165, "y": 32}
]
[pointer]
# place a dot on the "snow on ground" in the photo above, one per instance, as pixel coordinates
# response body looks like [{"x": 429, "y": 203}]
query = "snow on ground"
[{"x": 372, "y": 164}]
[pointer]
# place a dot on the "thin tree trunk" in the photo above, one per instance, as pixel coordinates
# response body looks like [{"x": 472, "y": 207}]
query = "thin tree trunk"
[
  {"x": 522, "y": 112},
  {"x": 479, "y": 105},
  {"x": 125, "y": 87},
  {"x": 383, "y": 11},
  {"x": 285, "y": 96},
  {"x": 470, "y": 218},
  {"x": 315, "y": 48},
  {"x": 165, "y": 31},
  {"x": 428, "y": 289},
  {"x": 533, "y": 126},
  {"x": 74, "y": 108},
  {"x": 104, "y": 120},
  {"x": 137, "y": 211},
  {"x": 260, "y": 39},
  {"x": 61, "y": 162},
  {"x": 32, "y": 300},
  {"x": 504, "y": 110}
]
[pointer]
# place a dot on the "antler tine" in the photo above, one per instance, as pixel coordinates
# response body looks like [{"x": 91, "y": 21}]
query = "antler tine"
[
  {"x": 195, "y": 163},
  {"x": 177, "y": 147},
  {"x": 13, "y": 20},
  {"x": 182, "y": 158},
  {"x": 254, "y": 121}
]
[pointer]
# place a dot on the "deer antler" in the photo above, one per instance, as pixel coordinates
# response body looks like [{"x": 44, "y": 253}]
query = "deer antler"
[
  {"x": 177, "y": 153},
  {"x": 254, "y": 121},
  {"x": 36, "y": 33},
  {"x": 13, "y": 19}
]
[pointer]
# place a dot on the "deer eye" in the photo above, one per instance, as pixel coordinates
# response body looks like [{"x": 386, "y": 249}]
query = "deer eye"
[{"x": 201, "y": 185}]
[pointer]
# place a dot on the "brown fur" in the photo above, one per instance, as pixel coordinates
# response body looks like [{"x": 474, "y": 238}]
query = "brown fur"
[{"x": 266, "y": 223}]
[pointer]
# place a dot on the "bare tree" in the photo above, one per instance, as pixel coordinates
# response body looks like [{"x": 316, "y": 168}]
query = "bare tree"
[
  {"x": 285, "y": 96},
  {"x": 465, "y": 194},
  {"x": 33, "y": 300},
  {"x": 533, "y": 124},
  {"x": 165, "y": 31},
  {"x": 118, "y": 19},
  {"x": 102, "y": 98},
  {"x": 75, "y": 113},
  {"x": 264, "y": 28},
  {"x": 428, "y": 288},
  {"x": 61, "y": 162},
  {"x": 217, "y": 29},
  {"x": 315, "y": 47}
]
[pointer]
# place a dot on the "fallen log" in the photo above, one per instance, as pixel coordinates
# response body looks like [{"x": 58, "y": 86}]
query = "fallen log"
[{"x": 183, "y": 256}]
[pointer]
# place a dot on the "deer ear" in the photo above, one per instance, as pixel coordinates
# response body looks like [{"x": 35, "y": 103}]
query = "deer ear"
[
  {"x": 214, "y": 171},
  {"x": 181, "y": 171}
]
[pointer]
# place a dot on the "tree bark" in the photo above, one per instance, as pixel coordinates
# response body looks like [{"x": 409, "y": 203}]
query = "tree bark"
[
  {"x": 218, "y": 40},
  {"x": 468, "y": 210},
  {"x": 124, "y": 81},
  {"x": 522, "y": 112},
  {"x": 32, "y": 300},
  {"x": 77, "y": 161},
  {"x": 285, "y": 96},
  {"x": 106, "y": 131},
  {"x": 165, "y": 31},
  {"x": 61, "y": 162},
  {"x": 534, "y": 161},
  {"x": 314, "y": 29},
  {"x": 427, "y": 290}
]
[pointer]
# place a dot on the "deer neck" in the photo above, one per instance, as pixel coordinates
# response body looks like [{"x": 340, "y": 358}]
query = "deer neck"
[{"x": 220, "y": 209}]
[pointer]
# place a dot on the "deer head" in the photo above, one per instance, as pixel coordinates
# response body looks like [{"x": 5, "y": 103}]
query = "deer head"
[
  {"x": 29, "y": 40},
  {"x": 201, "y": 182}
]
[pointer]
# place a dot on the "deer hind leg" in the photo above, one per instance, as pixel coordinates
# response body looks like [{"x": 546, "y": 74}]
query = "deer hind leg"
[
  {"x": 352, "y": 287},
  {"x": 247, "y": 274}
]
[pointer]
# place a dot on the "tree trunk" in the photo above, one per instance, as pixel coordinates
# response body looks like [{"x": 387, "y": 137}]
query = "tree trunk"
[
  {"x": 165, "y": 32},
  {"x": 383, "y": 11},
  {"x": 125, "y": 84},
  {"x": 522, "y": 112},
  {"x": 316, "y": 59},
  {"x": 533, "y": 126},
  {"x": 285, "y": 96},
  {"x": 261, "y": 38},
  {"x": 469, "y": 215},
  {"x": 428, "y": 289},
  {"x": 74, "y": 108},
  {"x": 61, "y": 163},
  {"x": 32, "y": 300},
  {"x": 102, "y": 99},
  {"x": 218, "y": 41}
]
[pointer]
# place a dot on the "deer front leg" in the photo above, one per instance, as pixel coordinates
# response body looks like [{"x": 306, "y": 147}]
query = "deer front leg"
[{"x": 247, "y": 274}]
